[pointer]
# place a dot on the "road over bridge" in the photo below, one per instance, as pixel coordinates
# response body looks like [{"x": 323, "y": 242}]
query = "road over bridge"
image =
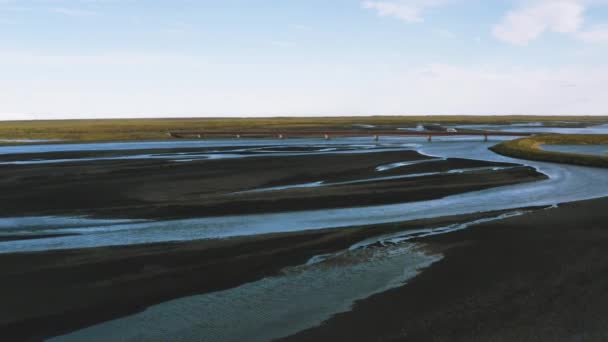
[{"x": 328, "y": 134}]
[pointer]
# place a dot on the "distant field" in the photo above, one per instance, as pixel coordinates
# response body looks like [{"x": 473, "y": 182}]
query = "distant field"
[
  {"x": 529, "y": 148},
  {"x": 154, "y": 129}
]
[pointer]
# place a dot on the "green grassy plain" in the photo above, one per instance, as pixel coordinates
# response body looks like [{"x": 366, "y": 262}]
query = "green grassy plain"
[
  {"x": 154, "y": 129},
  {"x": 529, "y": 148}
]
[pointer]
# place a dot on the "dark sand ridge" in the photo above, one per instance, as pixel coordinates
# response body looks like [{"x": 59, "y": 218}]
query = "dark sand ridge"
[
  {"x": 55, "y": 292},
  {"x": 165, "y": 189},
  {"x": 537, "y": 277}
]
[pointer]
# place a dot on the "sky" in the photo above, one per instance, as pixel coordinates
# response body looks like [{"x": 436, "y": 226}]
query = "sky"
[{"x": 174, "y": 58}]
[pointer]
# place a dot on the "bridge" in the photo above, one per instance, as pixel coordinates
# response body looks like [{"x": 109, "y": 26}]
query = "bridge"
[{"x": 331, "y": 134}]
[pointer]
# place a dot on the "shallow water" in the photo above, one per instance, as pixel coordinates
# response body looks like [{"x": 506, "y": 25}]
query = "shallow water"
[
  {"x": 274, "y": 307},
  {"x": 52, "y": 224},
  {"x": 598, "y": 150}
]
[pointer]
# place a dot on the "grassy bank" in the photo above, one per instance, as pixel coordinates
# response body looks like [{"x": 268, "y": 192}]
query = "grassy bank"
[
  {"x": 529, "y": 148},
  {"x": 153, "y": 129}
]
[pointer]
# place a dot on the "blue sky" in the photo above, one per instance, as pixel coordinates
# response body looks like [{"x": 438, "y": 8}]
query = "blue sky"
[{"x": 135, "y": 58}]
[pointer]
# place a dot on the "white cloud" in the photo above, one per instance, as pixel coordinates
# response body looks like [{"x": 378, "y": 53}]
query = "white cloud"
[
  {"x": 536, "y": 17},
  {"x": 407, "y": 10},
  {"x": 526, "y": 24}
]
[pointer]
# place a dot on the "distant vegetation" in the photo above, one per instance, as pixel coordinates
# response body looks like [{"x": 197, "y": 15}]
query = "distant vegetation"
[
  {"x": 154, "y": 129},
  {"x": 529, "y": 148}
]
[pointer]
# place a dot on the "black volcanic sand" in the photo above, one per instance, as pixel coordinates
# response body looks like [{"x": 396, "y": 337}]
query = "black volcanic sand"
[
  {"x": 538, "y": 277},
  {"x": 4, "y": 238},
  {"x": 155, "y": 188},
  {"x": 50, "y": 293}
]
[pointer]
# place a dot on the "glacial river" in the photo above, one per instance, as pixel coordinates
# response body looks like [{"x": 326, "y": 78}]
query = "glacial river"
[
  {"x": 303, "y": 296},
  {"x": 566, "y": 183}
]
